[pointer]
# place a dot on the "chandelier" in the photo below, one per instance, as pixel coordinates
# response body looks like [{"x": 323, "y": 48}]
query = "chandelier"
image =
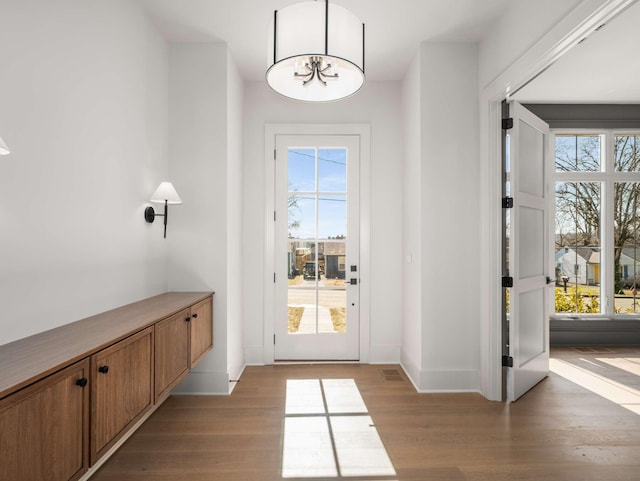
[{"x": 318, "y": 52}]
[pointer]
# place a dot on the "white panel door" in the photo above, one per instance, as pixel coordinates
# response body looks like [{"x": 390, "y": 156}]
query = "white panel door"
[
  {"x": 317, "y": 247},
  {"x": 528, "y": 252}
]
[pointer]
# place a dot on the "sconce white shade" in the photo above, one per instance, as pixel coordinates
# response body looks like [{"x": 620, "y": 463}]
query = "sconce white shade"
[
  {"x": 316, "y": 52},
  {"x": 166, "y": 192},
  {"x": 4, "y": 150}
]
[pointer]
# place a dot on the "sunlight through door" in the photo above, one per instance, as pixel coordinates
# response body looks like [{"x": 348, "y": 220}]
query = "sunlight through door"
[{"x": 329, "y": 434}]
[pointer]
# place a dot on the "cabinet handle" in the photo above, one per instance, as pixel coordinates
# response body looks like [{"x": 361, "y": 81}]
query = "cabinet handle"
[
  {"x": 82, "y": 382},
  {"x": 188, "y": 319},
  {"x": 195, "y": 316},
  {"x": 103, "y": 369}
]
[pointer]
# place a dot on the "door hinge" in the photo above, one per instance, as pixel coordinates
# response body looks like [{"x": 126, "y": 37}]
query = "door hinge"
[
  {"x": 507, "y": 361},
  {"x": 274, "y": 339},
  {"x": 507, "y": 123},
  {"x": 274, "y": 216},
  {"x": 507, "y": 281},
  {"x": 274, "y": 277},
  {"x": 507, "y": 202},
  {"x": 274, "y": 154}
]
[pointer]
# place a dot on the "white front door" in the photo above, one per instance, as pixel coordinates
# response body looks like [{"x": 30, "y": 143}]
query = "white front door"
[
  {"x": 317, "y": 247},
  {"x": 528, "y": 307}
]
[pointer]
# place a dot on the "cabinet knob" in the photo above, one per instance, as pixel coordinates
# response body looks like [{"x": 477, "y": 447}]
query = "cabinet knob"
[
  {"x": 188, "y": 319},
  {"x": 195, "y": 316},
  {"x": 82, "y": 382},
  {"x": 103, "y": 369}
]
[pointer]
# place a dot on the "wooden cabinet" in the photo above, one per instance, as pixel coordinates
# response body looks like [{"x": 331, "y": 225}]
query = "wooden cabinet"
[
  {"x": 70, "y": 395},
  {"x": 201, "y": 332},
  {"x": 181, "y": 341},
  {"x": 171, "y": 352},
  {"x": 121, "y": 389},
  {"x": 44, "y": 428}
]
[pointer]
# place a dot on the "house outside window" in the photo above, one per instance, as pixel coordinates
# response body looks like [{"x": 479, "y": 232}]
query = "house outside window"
[{"x": 597, "y": 222}]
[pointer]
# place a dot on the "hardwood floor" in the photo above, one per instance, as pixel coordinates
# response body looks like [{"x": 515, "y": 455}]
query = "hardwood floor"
[{"x": 558, "y": 431}]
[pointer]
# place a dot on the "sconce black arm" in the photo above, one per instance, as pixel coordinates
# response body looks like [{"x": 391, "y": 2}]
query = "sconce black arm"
[{"x": 150, "y": 215}]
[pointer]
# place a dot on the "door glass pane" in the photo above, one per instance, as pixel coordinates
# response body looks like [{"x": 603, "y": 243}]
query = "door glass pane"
[
  {"x": 302, "y": 216},
  {"x": 332, "y": 216},
  {"x": 302, "y": 170},
  {"x": 577, "y": 247},
  {"x": 626, "y": 255},
  {"x": 627, "y": 153},
  {"x": 578, "y": 153},
  {"x": 332, "y": 170},
  {"x": 332, "y": 311},
  {"x": 316, "y": 254}
]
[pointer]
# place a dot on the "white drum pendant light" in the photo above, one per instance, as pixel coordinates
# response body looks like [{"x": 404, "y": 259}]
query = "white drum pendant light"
[{"x": 316, "y": 52}]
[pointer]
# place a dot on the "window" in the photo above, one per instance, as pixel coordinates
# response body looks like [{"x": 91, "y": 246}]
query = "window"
[{"x": 597, "y": 222}]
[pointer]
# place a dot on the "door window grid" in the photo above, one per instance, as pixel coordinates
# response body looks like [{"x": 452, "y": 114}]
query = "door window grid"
[
  {"x": 597, "y": 250},
  {"x": 317, "y": 225}
]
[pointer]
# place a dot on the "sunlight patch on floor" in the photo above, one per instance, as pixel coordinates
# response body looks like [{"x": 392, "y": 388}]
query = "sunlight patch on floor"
[
  {"x": 616, "y": 392},
  {"x": 329, "y": 434},
  {"x": 630, "y": 364}
]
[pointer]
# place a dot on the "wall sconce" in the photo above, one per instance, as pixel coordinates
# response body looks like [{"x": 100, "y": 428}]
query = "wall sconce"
[
  {"x": 165, "y": 194},
  {"x": 4, "y": 150}
]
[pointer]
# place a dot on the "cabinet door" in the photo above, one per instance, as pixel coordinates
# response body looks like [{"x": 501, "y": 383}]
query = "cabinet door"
[
  {"x": 201, "y": 330},
  {"x": 122, "y": 389},
  {"x": 171, "y": 352},
  {"x": 44, "y": 428}
]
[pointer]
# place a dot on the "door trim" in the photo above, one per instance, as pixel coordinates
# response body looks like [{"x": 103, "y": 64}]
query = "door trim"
[{"x": 270, "y": 132}]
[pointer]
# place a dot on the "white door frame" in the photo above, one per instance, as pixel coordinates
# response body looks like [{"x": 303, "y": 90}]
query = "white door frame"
[
  {"x": 582, "y": 21},
  {"x": 363, "y": 131}
]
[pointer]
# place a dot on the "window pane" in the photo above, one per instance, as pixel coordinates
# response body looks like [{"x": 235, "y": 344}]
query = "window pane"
[
  {"x": 302, "y": 170},
  {"x": 332, "y": 217},
  {"x": 627, "y": 153},
  {"x": 577, "y": 247},
  {"x": 332, "y": 170},
  {"x": 626, "y": 253},
  {"x": 578, "y": 153},
  {"x": 302, "y": 216}
]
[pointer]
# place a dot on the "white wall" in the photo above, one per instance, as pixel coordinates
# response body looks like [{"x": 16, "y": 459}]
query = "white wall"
[
  {"x": 235, "y": 247},
  {"x": 199, "y": 167},
  {"x": 450, "y": 212},
  {"x": 412, "y": 222},
  {"x": 83, "y": 107},
  {"x": 378, "y": 104}
]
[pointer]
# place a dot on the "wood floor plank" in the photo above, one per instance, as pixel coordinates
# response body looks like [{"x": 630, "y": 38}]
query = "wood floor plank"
[{"x": 559, "y": 431}]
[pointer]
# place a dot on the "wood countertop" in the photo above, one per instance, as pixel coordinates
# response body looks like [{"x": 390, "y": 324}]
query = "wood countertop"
[{"x": 27, "y": 360}]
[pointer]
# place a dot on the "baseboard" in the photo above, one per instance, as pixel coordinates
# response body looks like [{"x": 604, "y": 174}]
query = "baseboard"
[
  {"x": 449, "y": 381},
  {"x": 440, "y": 381},
  {"x": 204, "y": 384},
  {"x": 384, "y": 354}
]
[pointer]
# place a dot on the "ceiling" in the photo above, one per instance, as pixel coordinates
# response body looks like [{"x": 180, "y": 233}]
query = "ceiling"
[
  {"x": 602, "y": 69},
  {"x": 394, "y": 28}
]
